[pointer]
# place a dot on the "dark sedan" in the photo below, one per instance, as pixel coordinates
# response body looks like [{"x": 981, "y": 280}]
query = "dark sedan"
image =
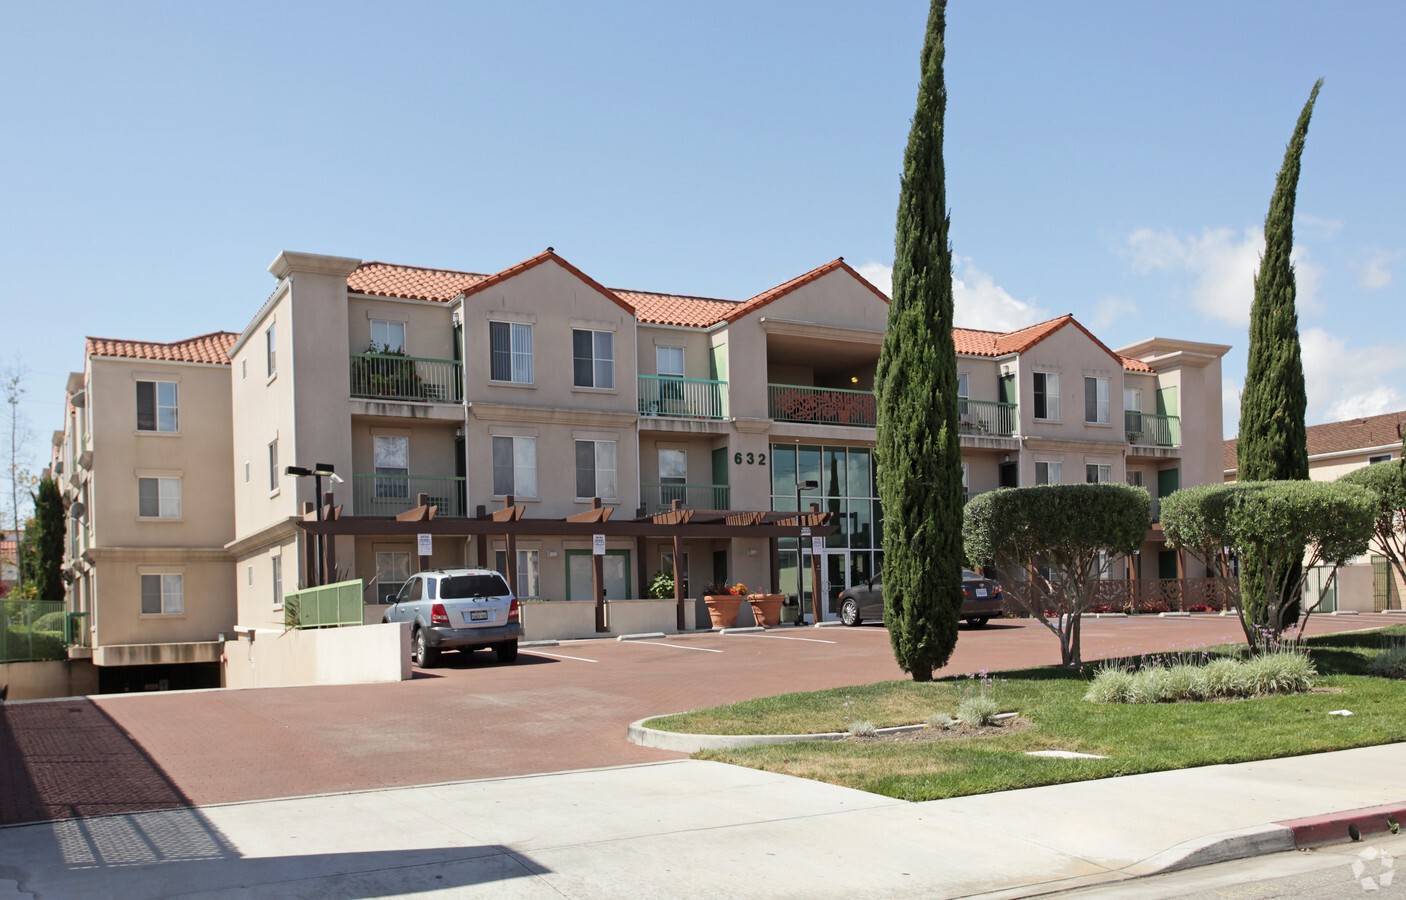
[{"x": 980, "y": 603}]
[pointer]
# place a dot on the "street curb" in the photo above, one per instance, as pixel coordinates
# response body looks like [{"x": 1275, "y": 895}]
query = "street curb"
[
  {"x": 1259, "y": 840},
  {"x": 637, "y": 733},
  {"x": 641, "y": 636},
  {"x": 1336, "y": 828}
]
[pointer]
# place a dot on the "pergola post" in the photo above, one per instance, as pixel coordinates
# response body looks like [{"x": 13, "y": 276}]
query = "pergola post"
[
  {"x": 511, "y": 539},
  {"x": 598, "y": 580},
  {"x": 680, "y": 621},
  {"x": 814, "y": 577}
]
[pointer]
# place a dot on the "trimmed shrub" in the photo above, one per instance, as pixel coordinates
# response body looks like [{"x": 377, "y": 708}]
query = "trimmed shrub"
[
  {"x": 863, "y": 729},
  {"x": 1282, "y": 672},
  {"x": 1390, "y": 663},
  {"x": 978, "y": 709},
  {"x": 1110, "y": 685}
]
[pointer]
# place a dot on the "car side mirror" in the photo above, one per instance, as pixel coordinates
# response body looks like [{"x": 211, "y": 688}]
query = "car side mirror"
[{"x": 390, "y": 599}]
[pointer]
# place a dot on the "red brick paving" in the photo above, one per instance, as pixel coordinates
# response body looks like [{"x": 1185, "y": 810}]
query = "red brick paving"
[{"x": 473, "y": 718}]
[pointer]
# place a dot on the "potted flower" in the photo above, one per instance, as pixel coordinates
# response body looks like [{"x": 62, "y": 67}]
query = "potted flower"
[
  {"x": 723, "y": 601},
  {"x": 766, "y": 608}
]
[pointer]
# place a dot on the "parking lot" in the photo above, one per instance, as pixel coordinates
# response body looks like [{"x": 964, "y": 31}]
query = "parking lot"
[{"x": 557, "y": 708}]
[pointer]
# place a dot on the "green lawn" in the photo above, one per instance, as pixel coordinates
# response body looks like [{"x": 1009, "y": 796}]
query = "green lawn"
[{"x": 1145, "y": 738}]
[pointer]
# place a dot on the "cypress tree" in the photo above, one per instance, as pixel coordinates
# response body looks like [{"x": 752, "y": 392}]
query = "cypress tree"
[
  {"x": 43, "y": 559},
  {"x": 1273, "y": 444},
  {"x": 918, "y": 451}
]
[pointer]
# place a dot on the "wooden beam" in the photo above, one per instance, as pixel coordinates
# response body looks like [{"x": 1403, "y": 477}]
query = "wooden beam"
[
  {"x": 599, "y": 514},
  {"x": 508, "y": 514},
  {"x": 672, "y": 517},
  {"x": 745, "y": 518}
]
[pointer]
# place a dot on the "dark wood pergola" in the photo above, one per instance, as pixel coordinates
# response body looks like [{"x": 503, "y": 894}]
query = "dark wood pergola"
[{"x": 677, "y": 524}]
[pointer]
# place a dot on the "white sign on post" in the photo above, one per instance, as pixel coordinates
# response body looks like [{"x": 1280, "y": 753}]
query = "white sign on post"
[
  {"x": 598, "y": 545},
  {"x": 426, "y": 543},
  {"x": 817, "y": 545}
]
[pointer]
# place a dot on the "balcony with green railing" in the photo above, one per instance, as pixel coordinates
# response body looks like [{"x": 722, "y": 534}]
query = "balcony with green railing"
[
  {"x": 692, "y": 398},
  {"x": 823, "y": 406},
  {"x": 986, "y": 418},
  {"x": 659, "y": 497},
  {"x": 390, "y": 495},
  {"x": 1150, "y": 429},
  {"x": 391, "y": 376},
  {"x": 325, "y": 606}
]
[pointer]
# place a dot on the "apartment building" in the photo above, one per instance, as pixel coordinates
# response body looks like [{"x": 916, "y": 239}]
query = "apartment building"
[
  {"x": 1334, "y": 449},
  {"x": 540, "y": 388},
  {"x": 144, "y": 464}
]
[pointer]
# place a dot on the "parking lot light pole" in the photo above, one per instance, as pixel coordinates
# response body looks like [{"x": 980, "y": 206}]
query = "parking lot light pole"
[{"x": 318, "y": 472}]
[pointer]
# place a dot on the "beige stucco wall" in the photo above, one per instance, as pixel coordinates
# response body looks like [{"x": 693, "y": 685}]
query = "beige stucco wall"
[
  {"x": 429, "y": 326},
  {"x": 49, "y": 679},
  {"x": 363, "y": 654}
]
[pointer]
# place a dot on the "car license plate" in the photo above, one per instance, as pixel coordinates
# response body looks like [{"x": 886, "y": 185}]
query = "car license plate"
[
  {"x": 478, "y": 615},
  {"x": 981, "y": 592}
]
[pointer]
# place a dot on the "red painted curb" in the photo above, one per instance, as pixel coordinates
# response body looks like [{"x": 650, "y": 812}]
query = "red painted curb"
[{"x": 1336, "y": 828}]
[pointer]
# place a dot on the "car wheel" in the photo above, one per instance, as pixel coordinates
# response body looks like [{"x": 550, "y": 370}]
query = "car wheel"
[
  {"x": 978, "y": 621},
  {"x": 425, "y": 655},
  {"x": 506, "y": 651},
  {"x": 849, "y": 612}
]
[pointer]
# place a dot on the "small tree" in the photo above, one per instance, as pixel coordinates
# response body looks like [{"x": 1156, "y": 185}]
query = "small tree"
[
  {"x": 1070, "y": 531},
  {"x": 1285, "y": 527},
  {"x": 43, "y": 559},
  {"x": 1388, "y": 480}
]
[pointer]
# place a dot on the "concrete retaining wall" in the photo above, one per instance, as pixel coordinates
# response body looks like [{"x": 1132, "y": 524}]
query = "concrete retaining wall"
[
  {"x": 565, "y": 620},
  {"x": 373, "y": 653},
  {"x": 50, "y": 678}
]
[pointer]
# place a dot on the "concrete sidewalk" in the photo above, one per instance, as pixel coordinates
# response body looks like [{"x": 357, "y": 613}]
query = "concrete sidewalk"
[{"x": 691, "y": 828}]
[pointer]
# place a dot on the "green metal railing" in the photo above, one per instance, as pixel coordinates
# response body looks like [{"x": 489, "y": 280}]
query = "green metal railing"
[
  {"x": 659, "y": 497},
  {"x": 75, "y": 630},
  {"x": 321, "y": 607},
  {"x": 986, "y": 417},
  {"x": 828, "y": 406},
  {"x": 390, "y": 376},
  {"x": 697, "y": 398},
  {"x": 389, "y": 495},
  {"x": 1152, "y": 429},
  {"x": 31, "y": 630}
]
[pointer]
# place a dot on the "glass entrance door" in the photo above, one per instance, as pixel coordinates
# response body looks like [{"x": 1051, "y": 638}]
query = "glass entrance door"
[{"x": 835, "y": 571}]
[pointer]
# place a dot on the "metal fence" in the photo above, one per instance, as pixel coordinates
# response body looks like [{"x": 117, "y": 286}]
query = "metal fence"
[
  {"x": 829, "y": 406},
  {"x": 986, "y": 417},
  {"x": 389, "y": 495},
  {"x": 697, "y": 398},
  {"x": 390, "y": 376},
  {"x": 1151, "y": 429},
  {"x": 321, "y": 607},
  {"x": 659, "y": 497},
  {"x": 31, "y": 630}
]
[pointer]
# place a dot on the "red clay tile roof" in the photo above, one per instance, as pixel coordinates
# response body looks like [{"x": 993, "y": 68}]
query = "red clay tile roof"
[
  {"x": 799, "y": 281},
  {"x": 206, "y": 348},
  {"x": 1341, "y": 437},
  {"x": 1135, "y": 365},
  {"x": 412, "y": 282},
  {"x": 973, "y": 342},
  {"x": 676, "y": 309}
]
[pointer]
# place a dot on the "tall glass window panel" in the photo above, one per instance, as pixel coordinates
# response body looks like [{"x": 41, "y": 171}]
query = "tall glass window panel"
[
  {"x": 157, "y": 407},
  {"x": 510, "y": 352},
  {"x": 392, "y": 459},
  {"x": 593, "y": 358},
  {"x": 1097, "y": 474},
  {"x": 861, "y": 523},
  {"x": 861, "y": 475},
  {"x": 273, "y": 464},
  {"x": 528, "y": 570},
  {"x": 809, "y": 470},
  {"x": 1096, "y": 401},
  {"x": 673, "y": 476},
  {"x": 277, "y": 566},
  {"x": 387, "y": 337},
  {"x": 839, "y": 516},
  {"x": 392, "y": 571},
  {"x": 783, "y": 472},
  {"x": 1046, "y": 395},
  {"x": 515, "y": 466},
  {"x": 834, "y": 477},
  {"x": 271, "y": 350},
  {"x": 595, "y": 469},
  {"x": 963, "y": 392}
]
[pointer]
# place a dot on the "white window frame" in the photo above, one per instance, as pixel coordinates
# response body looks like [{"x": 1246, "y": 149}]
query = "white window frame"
[
  {"x": 1102, "y": 473},
  {"x": 276, "y": 567},
  {"x": 161, "y": 424},
  {"x": 677, "y": 484},
  {"x": 601, "y": 361},
  {"x": 390, "y": 343},
  {"x": 168, "y": 497},
  {"x": 271, "y": 349},
  {"x": 1046, "y": 383},
  {"x": 169, "y": 593},
  {"x": 1383, "y": 457},
  {"x": 602, "y": 452},
  {"x": 387, "y": 449},
  {"x": 522, "y": 474},
  {"x": 1054, "y": 471},
  {"x": 273, "y": 466},
  {"x": 666, "y": 369},
  {"x": 1103, "y": 405},
  {"x": 529, "y": 571},
  {"x": 517, "y": 354},
  {"x": 393, "y": 563}
]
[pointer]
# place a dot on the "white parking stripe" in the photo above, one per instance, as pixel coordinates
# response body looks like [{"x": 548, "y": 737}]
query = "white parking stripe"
[
  {"x": 560, "y": 656},
  {"x": 782, "y": 637},
  {"x": 673, "y": 646}
]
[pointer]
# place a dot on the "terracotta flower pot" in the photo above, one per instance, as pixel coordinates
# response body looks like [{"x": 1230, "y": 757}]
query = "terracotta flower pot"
[
  {"x": 722, "y": 609},
  {"x": 766, "y": 608}
]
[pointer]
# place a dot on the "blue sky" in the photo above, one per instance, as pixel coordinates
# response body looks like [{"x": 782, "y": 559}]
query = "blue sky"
[{"x": 1113, "y": 160}]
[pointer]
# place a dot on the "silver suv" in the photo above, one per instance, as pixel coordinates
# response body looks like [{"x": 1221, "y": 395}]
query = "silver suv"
[{"x": 457, "y": 609}]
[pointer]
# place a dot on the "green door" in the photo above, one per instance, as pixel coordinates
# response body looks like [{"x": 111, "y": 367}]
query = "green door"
[
  {"x": 719, "y": 567},
  {"x": 1168, "y": 482},
  {"x": 1167, "y": 564}
]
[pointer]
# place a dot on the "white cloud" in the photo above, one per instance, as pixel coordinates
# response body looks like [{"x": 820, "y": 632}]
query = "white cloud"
[
  {"x": 979, "y": 301},
  {"x": 1376, "y": 271},
  {"x": 1109, "y": 310},
  {"x": 1324, "y": 228},
  {"x": 1347, "y": 382},
  {"x": 1222, "y": 265},
  {"x": 1230, "y": 407}
]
